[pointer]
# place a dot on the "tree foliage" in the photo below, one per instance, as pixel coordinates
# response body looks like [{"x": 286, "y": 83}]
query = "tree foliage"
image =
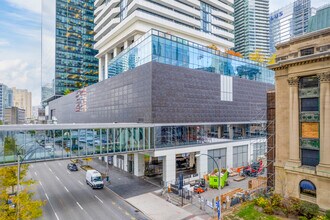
[
  {"x": 257, "y": 56},
  {"x": 272, "y": 59},
  {"x": 21, "y": 207},
  {"x": 233, "y": 53},
  {"x": 213, "y": 47},
  {"x": 10, "y": 146},
  {"x": 8, "y": 177},
  {"x": 66, "y": 92}
]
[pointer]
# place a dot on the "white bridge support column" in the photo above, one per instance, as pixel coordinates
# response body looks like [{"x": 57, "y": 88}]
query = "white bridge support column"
[
  {"x": 169, "y": 169},
  {"x": 114, "y": 161},
  {"x": 139, "y": 164},
  {"x": 202, "y": 163},
  {"x": 125, "y": 162}
]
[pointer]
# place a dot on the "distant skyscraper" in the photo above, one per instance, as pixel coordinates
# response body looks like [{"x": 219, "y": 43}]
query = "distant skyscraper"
[
  {"x": 68, "y": 57},
  {"x": 320, "y": 20},
  {"x": 251, "y": 26},
  {"x": 289, "y": 21},
  {"x": 3, "y": 100},
  {"x": 22, "y": 99}
]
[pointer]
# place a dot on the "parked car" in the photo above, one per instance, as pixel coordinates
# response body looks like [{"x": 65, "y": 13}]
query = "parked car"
[{"x": 72, "y": 167}]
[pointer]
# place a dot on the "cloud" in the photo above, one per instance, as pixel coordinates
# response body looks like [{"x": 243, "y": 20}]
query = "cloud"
[
  {"x": 30, "y": 5},
  {"x": 4, "y": 42},
  {"x": 23, "y": 75}
]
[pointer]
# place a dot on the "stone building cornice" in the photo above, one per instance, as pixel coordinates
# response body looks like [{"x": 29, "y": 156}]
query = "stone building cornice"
[
  {"x": 293, "y": 81},
  {"x": 300, "y": 61}
]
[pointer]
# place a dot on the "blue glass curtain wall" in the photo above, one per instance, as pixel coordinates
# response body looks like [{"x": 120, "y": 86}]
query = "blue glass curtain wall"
[{"x": 168, "y": 49}]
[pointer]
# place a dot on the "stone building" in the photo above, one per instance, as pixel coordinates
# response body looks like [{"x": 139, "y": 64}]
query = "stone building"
[{"x": 302, "y": 83}]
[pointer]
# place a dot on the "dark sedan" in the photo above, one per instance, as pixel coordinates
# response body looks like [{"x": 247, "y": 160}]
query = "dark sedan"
[{"x": 72, "y": 167}]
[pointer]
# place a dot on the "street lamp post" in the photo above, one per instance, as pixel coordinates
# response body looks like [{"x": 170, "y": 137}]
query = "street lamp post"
[{"x": 219, "y": 176}]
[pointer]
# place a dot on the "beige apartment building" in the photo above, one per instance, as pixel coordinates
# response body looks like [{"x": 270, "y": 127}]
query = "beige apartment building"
[
  {"x": 22, "y": 98},
  {"x": 302, "y": 164}
]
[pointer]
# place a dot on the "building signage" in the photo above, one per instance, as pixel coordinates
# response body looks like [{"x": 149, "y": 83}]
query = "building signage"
[{"x": 276, "y": 16}]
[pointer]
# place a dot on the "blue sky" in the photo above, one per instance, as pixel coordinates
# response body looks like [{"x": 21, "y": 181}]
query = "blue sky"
[{"x": 20, "y": 43}]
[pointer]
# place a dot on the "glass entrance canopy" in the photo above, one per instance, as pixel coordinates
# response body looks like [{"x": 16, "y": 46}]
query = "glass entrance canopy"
[
  {"x": 164, "y": 48},
  {"x": 62, "y": 141}
]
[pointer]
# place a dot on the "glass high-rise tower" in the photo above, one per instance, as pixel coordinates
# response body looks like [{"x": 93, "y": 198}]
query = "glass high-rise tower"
[
  {"x": 289, "y": 21},
  {"x": 251, "y": 26},
  {"x": 68, "y": 57}
]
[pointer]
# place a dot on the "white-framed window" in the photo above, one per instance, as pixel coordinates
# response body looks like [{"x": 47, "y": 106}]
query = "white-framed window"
[{"x": 226, "y": 88}]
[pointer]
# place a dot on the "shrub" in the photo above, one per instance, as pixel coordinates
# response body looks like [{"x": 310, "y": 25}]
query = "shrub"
[
  {"x": 327, "y": 214},
  {"x": 309, "y": 210},
  {"x": 302, "y": 218},
  {"x": 320, "y": 217},
  {"x": 261, "y": 202},
  {"x": 269, "y": 209},
  {"x": 290, "y": 206},
  {"x": 276, "y": 200}
]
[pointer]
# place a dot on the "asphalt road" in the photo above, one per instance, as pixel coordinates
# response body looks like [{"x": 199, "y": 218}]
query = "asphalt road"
[{"x": 68, "y": 196}]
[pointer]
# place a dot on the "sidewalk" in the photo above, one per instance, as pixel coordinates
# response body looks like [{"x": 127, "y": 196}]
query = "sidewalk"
[{"x": 143, "y": 195}]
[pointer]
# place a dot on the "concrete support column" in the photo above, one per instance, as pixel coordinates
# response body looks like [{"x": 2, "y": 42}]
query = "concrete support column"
[
  {"x": 229, "y": 157},
  {"x": 202, "y": 163},
  {"x": 125, "y": 44},
  {"x": 107, "y": 59},
  {"x": 219, "y": 132},
  {"x": 101, "y": 65},
  {"x": 115, "y": 52},
  {"x": 125, "y": 162},
  {"x": 294, "y": 158},
  {"x": 114, "y": 161},
  {"x": 191, "y": 159},
  {"x": 230, "y": 131},
  {"x": 324, "y": 166},
  {"x": 169, "y": 169},
  {"x": 139, "y": 164}
]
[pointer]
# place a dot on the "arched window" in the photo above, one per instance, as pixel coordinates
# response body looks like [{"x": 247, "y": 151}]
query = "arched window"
[{"x": 307, "y": 188}]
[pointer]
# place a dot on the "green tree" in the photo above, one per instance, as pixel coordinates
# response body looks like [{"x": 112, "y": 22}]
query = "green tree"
[
  {"x": 10, "y": 146},
  {"x": 1, "y": 122}
]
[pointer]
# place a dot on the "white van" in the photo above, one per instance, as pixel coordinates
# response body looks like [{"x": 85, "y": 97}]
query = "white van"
[{"x": 94, "y": 179}]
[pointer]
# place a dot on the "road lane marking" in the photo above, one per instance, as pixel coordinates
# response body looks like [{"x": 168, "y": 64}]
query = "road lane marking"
[
  {"x": 119, "y": 208},
  {"x": 59, "y": 163},
  {"x": 40, "y": 183},
  {"x": 98, "y": 199},
  {"x": 51, "y": 205},
  {"x": 50, "y": 169},
  {"x": 66, "y": 189},
  {"x": 56, "y": 216},
  {"x": 58, "y": 178},
  {"x": 35, "y": 173},
  {"x": 126, "y": 213},
  {"x": 68, "y": 172},
  {"x": 31, "y": 166},
  {"x": 79, "y": 206},
  {"x": 80, "y": 182},
  {"x": 113, "y": 203}
]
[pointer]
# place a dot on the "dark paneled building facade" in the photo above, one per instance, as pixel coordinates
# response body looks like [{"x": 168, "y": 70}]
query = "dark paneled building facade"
[{"x": 162, "y": 93}]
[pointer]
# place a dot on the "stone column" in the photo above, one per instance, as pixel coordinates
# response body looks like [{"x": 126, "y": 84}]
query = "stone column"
[
  {"x": 230, "y": 131},
  {"x": 139, "y": 164},
  {"x": 169, "y": 169},
  {"x": 115, "y": 52},
  {"x": 294, "y": 148},
  {"x": 126, "y": 44},
  {"x": 324, "y": 166}
]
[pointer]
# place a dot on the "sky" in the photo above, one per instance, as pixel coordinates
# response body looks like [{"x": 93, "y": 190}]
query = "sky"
[{"x": 20, "y": 42}]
